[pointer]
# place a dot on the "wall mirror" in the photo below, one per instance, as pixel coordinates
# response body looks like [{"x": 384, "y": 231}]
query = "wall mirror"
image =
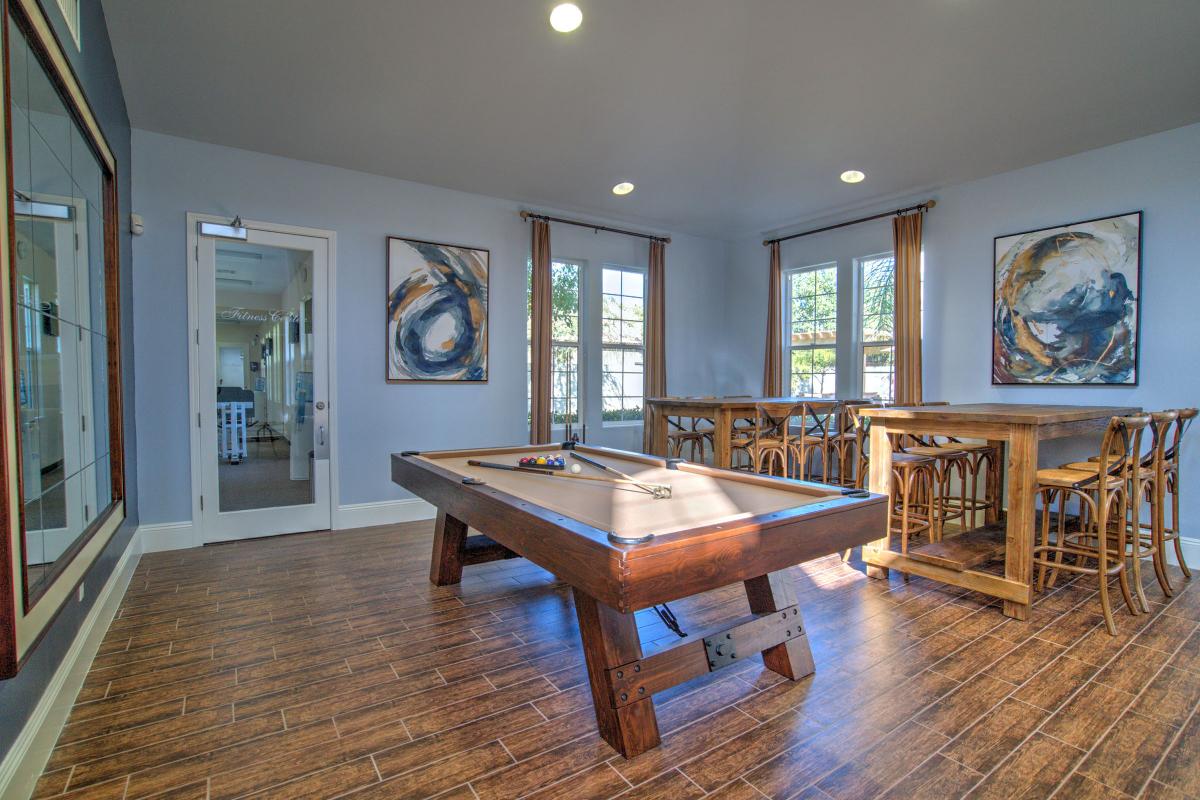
[{"x": 63, "y": 468}]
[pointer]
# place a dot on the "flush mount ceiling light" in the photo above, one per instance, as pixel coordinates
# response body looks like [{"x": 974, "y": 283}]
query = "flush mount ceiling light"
[
  {"x": 853, "y": 176},
  {"x": 565, "y": 17},
  {"x": 624, "y": 187}
]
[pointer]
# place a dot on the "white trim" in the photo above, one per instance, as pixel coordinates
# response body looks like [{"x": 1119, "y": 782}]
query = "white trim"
[
  {"x": 163, "y": 536},
  {"x": 1191, "y": 552},
  {"x": 24, "y": 762},
  {"x": 625, "y": 423},
  {"x": 194, "y": 404},
  {"x": 385, "y": 512}
]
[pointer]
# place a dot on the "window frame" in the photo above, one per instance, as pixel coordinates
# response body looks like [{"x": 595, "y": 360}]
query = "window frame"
[
  {"x": 579, "y": 344},
  {"x": 644, "y": 274},
  {"x": 73, "y": 21},
  {"x": 860, "y": 315},
  {"x": 786, "y": 318}
]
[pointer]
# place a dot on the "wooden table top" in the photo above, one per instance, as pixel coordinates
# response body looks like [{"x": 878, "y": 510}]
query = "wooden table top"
[
  {"x": 1009, "y": 413},
  {"x": 735, "y": 402}
]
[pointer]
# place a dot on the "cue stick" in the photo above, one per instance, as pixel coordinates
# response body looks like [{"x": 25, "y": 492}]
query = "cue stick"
[
  {"x": 615, "y": 471},
  {"x": 658, "y": 490}
]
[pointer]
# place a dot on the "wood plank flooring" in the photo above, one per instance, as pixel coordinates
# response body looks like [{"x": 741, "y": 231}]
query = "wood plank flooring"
[{"x": 325, "y": 665}]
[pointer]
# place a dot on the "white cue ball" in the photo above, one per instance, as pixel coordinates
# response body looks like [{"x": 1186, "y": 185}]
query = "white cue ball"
[{"x": 576, "y": 468}]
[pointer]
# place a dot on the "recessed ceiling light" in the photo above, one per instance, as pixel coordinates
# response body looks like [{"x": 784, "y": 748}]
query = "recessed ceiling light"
[
  {"x": 853, "y": 176},
  {"x": 565, "y": 17},
  {"x": 625, "y": 187}
]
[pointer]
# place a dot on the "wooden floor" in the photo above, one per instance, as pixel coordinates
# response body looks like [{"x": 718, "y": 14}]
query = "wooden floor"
[{"x": 324, "y": 665}]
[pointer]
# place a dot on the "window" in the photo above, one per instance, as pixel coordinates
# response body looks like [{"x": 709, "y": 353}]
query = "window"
[
  {"x": 810, "y": 333},
  {"x": 70, "y": 12},
  {"x": 623, "y": 341},
  {"x": 564, "y": 342},
  {"x": 877, "y": 276},
  {"x": 565, "y": 295}
]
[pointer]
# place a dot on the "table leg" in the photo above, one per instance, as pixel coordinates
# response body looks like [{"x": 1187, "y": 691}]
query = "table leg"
[
  {"x": 722, "y": 433},
  {"x": 1019, "y": 532},
  {"x": 449, "y": 549},
  {"x": 773, "y": 592},
  {"x": 880, "y": 482},
  {"x": 993, "y": 511},
  {"x": 610, "y": 639},
  {"x": 656, "y": 426}
]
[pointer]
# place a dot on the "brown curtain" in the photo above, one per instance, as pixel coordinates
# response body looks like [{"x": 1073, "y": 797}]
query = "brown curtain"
[
  {"x": 541, "y": 310},
  {"x": 906, "y": 238},
  {"x": 773, "y": 360},
  {"x": 656, "y": 333}
]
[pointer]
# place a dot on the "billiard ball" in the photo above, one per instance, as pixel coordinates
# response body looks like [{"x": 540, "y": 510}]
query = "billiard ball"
[{"x": 576, "y": 468}]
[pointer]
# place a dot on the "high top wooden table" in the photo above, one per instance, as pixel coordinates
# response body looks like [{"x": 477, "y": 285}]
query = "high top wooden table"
[
  {"x": 1021, "y": 428},
  {"x": 721, "y": 410}
]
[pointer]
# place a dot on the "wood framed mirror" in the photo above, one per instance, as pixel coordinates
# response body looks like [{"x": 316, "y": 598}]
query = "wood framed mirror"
[{"x": 61, "y": 442}]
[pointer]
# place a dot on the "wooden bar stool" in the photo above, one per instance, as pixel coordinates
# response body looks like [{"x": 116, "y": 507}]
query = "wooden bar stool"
[
  {"x": 814, "y": 439},
  {"x": 911, "y": 490},
  {"x": 948, "y": 463},
  {"x": 983, "y": 461},
  {"x": 685, "y": 435},
  {"x": 1171, "y": 455},
  {"x": 843, "y": 443},
  {"x": 1102, "y": 525},
  {"x": 772, "y": 443},
  {"x": 1146, "y": 485}
]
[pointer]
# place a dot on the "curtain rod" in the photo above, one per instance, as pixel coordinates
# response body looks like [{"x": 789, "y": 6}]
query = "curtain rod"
[
  {"x": 528, "y": 215},
  {"x": 928, "y": 204}
]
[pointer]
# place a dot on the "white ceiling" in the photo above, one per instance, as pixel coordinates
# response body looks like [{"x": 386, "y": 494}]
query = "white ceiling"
[{"x": 731, "y": 116}]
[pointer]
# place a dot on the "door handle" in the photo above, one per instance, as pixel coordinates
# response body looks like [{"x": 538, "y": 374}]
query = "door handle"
[{"x": 321, "y": 435}]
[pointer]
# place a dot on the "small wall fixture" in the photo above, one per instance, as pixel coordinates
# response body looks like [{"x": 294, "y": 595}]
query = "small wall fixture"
[
  {"x": 853, "y": 176},
  {"x": 624, "y": 187}
]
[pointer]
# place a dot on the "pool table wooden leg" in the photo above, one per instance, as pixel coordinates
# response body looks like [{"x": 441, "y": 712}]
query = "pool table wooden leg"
[
  {"x": 449, "y": 550},
  {"x": 610, "y": 639},
  {"x": 775, "y": 592}
]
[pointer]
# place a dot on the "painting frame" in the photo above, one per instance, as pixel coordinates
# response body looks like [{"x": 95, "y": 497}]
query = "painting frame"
[
  {"x": 998, "y": 256},
  {"x": 391, "y": 284}
]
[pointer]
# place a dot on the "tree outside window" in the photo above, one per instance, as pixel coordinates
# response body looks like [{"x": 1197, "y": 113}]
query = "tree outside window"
[{"x": 810, "y": 338}]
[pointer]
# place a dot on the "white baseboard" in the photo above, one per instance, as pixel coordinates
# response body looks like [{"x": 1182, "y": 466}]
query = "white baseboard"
[
  {"x": 23, "y": 764},
  {"x": 386, "y": 512},
  {"x": 1191, "y": 552},
  {"x": 161, "y": 536},
  {"x": 168, "y": 536}
]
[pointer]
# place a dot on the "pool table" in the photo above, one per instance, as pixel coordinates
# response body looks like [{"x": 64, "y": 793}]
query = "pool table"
[{"x": 717, "y": 527}]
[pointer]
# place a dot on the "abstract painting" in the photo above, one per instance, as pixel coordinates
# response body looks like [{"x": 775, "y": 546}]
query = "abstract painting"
[
  {"x": 437, "y": 303},
  {"x": 1066, "y": 304}
]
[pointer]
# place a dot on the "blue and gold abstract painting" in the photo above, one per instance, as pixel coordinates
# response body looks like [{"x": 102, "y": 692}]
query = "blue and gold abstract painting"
[
  {"x": 437, "y": 312},
  {"x": 1066, "y": 304}
]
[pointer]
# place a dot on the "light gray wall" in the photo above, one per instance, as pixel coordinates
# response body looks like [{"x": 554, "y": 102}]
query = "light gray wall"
[
  {"x": 1158, "y": 174},
  {"x": 173, "y": 176}
]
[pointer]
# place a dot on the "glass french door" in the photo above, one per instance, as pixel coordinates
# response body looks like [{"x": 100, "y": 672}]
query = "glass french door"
[{"x": 263, "y": 377}]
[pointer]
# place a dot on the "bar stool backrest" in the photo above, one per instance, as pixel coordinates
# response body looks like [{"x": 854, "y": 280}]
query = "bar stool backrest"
[
  {"x": 844, "y": 422},
  {"x": 773, "y": 419},
  {"x": 1183, "y": 420},
  {"x": 1161, "y": 423},
  {"x": 818, "y": 420},
  {"x": 1120, "y": 449}
]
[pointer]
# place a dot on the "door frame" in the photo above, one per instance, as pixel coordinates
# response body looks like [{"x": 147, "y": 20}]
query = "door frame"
[{"x": 195, "y": 408}]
